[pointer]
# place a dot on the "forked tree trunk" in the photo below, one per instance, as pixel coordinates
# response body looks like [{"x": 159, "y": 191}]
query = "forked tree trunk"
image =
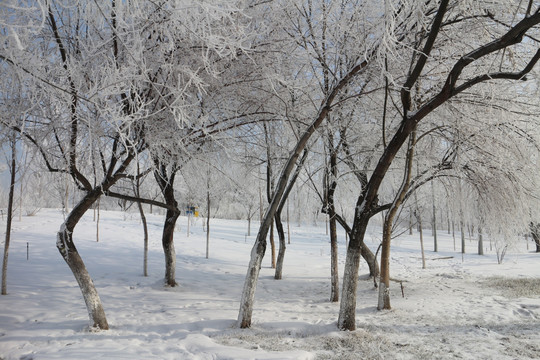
[{"x": 282, "y": 246}]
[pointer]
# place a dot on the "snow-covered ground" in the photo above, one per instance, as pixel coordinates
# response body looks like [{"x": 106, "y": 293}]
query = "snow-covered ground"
[{"x": 459, "y": 307}]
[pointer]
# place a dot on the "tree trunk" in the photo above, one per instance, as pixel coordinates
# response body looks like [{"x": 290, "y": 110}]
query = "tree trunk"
[
  {"x": 250, "y": 283},
  {"x": 330, "y": 185},
  {"x": 145, "y": 247},
  {"x": 419, "y": 221},
  {"x": 334, "y": 269},
  {"x": 434, "y": 220},
  {"x": 347, "y": 309},
  {"x": 9, "y": 212},
  {"x": 257, "y": 253},
  {"x": 281, "y": 253},
  {"x": 411, "y": 223},
  {"x": 288, "y": 224},
  {"x": 462, "y": 229},
  {"x": 97, "y": 222},
  {"x": 208, "y": 223},
  {"x": 272, "y": 247},
  {"x": 69, "y": 253},
  {"x": 384, "y": 283},
  {"x": 145, "y": 229},
  {"x": 480, "y": 241},
  {"x": 422, "y": 241},
  {"x": 535, "y": 233},
  {"x": 166, "y": 185},
  {"x": 371, "y": 260},
  {"x": 91, "y": 297},
  {"x": 448, "y": 219},
  {"x": 167, "y": 241}
]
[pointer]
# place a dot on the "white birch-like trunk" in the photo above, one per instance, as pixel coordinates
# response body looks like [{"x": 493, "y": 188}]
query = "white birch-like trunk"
[
  {"x": 347, "y": 308},
  {"x": 250, "y": 284},
  {"x": 96, "y": 313},
  {"x": 384, "y": 296}
]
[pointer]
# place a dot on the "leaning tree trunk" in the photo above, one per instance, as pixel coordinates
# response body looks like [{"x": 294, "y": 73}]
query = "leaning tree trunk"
[
  {"x": 371, "y": 260},
  {"x": 257, "y": 252},
  {"x": 71, "y": 256},
  {"x": 250, "y": 283}
]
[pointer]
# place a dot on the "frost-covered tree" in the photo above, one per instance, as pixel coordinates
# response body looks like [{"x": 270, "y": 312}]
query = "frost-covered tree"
[
  {"x": 472, "y": 66},
  {"x": 106, "y": 75}
]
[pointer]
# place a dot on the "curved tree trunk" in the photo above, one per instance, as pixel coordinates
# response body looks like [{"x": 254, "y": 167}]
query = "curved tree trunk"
[
  {"x": 282, "y": 247},
  {"x": 71, "y": 256},
  {"x": 96, "y": 313}
]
